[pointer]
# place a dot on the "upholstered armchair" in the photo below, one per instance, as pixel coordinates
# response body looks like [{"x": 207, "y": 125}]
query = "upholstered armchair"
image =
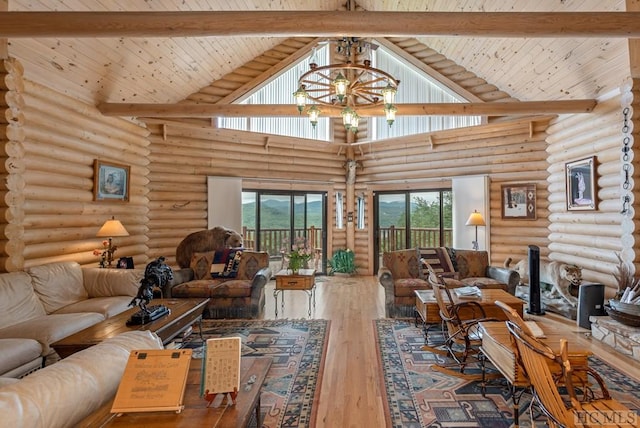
[{"x": 400, "y": 275}]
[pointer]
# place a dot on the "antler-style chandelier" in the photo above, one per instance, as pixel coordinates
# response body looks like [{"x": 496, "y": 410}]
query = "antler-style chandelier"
[{"x": 349, "y": 84}]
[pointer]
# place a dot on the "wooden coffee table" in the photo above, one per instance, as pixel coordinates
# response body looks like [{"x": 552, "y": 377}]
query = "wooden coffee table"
[
  {"x": 304, "y": 280},
  {"x": 253, "y": 371},
  {"x": 183, "y": 314}
]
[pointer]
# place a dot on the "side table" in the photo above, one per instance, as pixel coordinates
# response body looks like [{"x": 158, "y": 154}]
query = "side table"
[{"x": 304, "y": 280}]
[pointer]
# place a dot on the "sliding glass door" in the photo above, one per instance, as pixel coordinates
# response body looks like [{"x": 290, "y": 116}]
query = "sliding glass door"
[
  {"x": 272, "y": 221},
  {"x": 412, "y": 219}
]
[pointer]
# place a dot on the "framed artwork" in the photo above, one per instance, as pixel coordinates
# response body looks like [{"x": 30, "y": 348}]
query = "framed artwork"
[
  {"x": 110, "y": 181},
  {"x": 581, "y": 184},
  {"x": 519, "y": 201}
]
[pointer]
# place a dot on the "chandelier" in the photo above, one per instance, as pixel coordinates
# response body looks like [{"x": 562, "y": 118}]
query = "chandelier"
[{"x": 349, "y": 84}]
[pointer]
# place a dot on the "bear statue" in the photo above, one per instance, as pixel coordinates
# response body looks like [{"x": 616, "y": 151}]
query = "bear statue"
[{"x": 215, "y": 239}]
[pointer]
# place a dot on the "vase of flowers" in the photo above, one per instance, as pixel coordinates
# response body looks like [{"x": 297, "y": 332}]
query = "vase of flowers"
[{"x": 299, "y": 256}]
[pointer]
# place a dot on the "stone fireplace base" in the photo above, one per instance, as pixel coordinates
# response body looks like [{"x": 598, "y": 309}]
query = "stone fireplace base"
[{"x": 623, "y": 338}]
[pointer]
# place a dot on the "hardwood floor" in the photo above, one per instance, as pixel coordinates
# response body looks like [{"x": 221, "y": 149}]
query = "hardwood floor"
[{"x": 352, "y": 393}]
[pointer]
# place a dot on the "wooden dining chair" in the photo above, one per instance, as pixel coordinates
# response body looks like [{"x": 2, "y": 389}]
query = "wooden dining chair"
[
  {"x": 534, "y": 356},
  {"x": 461, "y": 321}
]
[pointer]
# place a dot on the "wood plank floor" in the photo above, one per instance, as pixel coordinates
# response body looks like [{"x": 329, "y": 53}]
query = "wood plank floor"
[{"x": 352, "y": 394}]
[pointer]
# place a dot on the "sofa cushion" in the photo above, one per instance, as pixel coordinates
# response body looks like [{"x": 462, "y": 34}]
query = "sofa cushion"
[
  {"x": 17, "y": 352},
  {"x": 201, "y": 264},
  {"x": 111, "y": 282},
  {"x": 50, "y": 328},
  {"x": 484, "y": 283},
  {"x": 106, "y": 306},
  {"x": 471, "y": 263},
  {"x": 251, "y": 262},
  {"x": 405, "y": 287},
  {"x": 402, "y": 263},
  {"x": 19, "y": 302},
  {"x": 225, "y": 263},
  {"x": 58, "y": 284},
  {"x": 64, "y": 393}
]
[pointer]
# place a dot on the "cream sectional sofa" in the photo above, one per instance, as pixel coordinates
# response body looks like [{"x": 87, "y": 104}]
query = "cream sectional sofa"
[
  {"x": 47, "y": 303},
  {"x": 65, "y": 393}
]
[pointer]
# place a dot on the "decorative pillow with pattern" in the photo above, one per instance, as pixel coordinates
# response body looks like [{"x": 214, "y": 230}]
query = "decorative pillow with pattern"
[
  {"x": 226, "y": 262},
  {"x": 201, "y": 264}
]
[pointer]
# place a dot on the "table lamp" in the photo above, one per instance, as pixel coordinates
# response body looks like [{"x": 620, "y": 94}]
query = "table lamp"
[
  {"x": 475, "y": 219},
  {"x": 109, "y": 229}
]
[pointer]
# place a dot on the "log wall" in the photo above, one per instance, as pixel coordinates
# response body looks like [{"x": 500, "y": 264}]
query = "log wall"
[
  {"x": 588, "y": 239},
  {"x": 508, "y": 152},
  {"x": 49, "y": 210},
  {"x": 183, "y": 155}
]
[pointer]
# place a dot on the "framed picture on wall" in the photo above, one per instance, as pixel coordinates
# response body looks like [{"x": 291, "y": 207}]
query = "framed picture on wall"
[
  {"x": 110, "y": 181},
  {"x": 519, "y": 201},
  {"x": 581, "y": 184}
]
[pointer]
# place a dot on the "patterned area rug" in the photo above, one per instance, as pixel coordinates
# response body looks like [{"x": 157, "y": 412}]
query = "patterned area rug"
[
  {"x": 298, "y": 349},
  {"x": 419, "y": 396}
]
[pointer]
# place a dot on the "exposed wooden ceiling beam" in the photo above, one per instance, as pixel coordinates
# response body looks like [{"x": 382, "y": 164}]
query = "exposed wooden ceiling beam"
[
  {"x": 319, "y": 23},
  {"x": 266, "y": 110}
]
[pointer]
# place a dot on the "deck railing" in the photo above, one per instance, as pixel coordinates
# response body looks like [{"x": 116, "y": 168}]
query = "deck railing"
[{"x": 391, "y": 238}]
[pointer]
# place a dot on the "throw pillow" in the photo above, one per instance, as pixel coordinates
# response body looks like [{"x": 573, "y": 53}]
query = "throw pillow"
[
  {"x": 201, "y": 263},
  {"x": 225, "y": 263}
]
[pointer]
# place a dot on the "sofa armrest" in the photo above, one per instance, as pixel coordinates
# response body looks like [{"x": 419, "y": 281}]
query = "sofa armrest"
[
  {"x": 258, "y": 282},
  {"x": 385, "y": 277},
  {"x": 505, "y": 275},
  {"x": 179, "y": 276}
]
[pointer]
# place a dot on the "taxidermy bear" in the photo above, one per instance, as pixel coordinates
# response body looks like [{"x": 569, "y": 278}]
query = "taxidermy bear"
[{"x": 203, "y": 241}]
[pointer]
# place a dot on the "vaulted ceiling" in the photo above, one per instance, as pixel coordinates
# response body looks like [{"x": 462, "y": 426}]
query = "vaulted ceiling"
[{"x": 169, "y": 69}]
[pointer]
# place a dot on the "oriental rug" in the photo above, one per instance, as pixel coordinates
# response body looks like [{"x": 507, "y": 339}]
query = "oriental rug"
[
  {"x": 298, "y": 349},
  {"x": 419, "y": 396}
]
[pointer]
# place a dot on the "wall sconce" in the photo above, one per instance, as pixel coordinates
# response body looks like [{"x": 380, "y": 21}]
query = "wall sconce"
[
  {"x": 339, "y": 209},
  {"x": 360, "y": 214},
  {"x": 475, "y": 219},
  {"x": 109, "y": 229}
]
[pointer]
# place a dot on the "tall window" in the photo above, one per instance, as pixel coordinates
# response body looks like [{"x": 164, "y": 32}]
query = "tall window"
[
  {"x": 413, "y": 219},
  {"x": 280, "y": 91},
  {"x": 415, "y": 87}
]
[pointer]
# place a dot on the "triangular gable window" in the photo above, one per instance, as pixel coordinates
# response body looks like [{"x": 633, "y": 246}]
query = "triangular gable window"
[{"x": 415, "y": 87}]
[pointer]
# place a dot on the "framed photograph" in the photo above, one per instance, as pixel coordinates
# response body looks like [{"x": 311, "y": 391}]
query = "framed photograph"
[
  {"x": 110, "y": 181},
  {"x": 519, "y": 201},
  {"x": 581, "y": 184}
]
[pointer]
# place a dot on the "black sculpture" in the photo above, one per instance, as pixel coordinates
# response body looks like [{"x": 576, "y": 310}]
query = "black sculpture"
[{"x": 156, "y": 274}]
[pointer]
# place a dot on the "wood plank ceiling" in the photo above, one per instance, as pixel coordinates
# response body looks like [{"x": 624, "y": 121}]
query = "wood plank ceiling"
[{"x": 167, "y": 70}]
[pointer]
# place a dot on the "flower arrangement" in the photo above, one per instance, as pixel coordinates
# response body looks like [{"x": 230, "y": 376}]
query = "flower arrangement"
[
  {"x": 343, "y": 261},
  {"x": 105, "y": 253},
  {"x": 300, "y": 254}
]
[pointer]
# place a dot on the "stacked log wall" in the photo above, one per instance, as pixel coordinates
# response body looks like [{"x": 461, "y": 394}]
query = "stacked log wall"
[
  {"x": 50, "y": 213},
  {"x": 184, "y": 154},
  {"x": 589, "y": 239},
  {"x": 508, "y": 152}
]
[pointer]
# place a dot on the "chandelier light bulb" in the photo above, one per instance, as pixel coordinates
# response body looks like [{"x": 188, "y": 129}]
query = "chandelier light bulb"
[
  {"x": 341, "y": 84},
  {"x": 389, "y": 94},
  {"x": 347, "y": 115},
  {"x": 314, "y": 114},
  {"x": 301, "y": 98},
  {"x": 390, "y": 113}
]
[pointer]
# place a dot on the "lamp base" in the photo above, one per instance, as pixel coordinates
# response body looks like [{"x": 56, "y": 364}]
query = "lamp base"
[{"x": 151, "y": 314}]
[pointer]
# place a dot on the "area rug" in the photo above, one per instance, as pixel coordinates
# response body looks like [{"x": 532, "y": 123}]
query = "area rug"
[
  {"x": 419, "y": 396},
  {"x": 298, "y": 350}
]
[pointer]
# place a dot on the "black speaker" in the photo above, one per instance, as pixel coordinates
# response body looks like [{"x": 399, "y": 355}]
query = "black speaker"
[
  {"x": 535, "y": 305},
  {"x": 590, "y": 302}
]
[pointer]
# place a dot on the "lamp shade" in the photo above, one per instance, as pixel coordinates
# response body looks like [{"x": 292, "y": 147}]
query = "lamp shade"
[
  {"x": 475, "y": 219},
  {"x": 112, "y": 228}
]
